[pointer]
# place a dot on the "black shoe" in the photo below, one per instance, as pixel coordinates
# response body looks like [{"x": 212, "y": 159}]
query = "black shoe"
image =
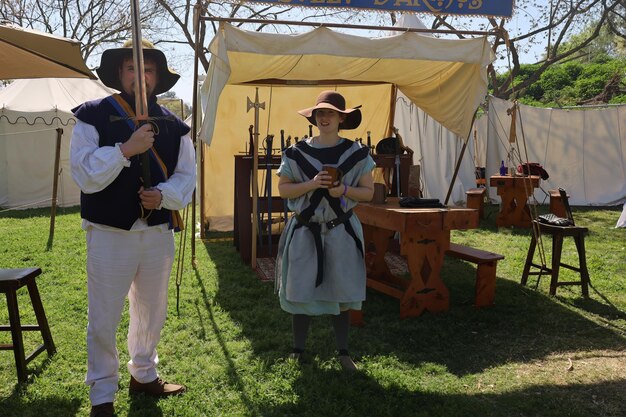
[
  {"x": 346, "y": 362},
  {"x": 102, "y": 410},
  {"x": 297, "y": 355}
]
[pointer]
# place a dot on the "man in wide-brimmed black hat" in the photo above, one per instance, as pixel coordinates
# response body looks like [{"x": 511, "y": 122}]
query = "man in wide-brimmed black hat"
[{"x": 129, "y": 228}]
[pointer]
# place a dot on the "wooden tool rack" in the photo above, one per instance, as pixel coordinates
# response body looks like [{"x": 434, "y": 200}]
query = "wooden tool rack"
[{"x": 243, "y": 208}]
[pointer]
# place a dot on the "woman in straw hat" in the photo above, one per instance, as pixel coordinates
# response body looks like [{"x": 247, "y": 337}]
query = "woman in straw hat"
[{"x": 320, "y": 266}]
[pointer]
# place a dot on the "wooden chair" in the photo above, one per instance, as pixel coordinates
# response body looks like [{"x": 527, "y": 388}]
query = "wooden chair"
[
  {"x": 10, "y": 281},
  {"x": 558, "y": 233},
  {"x": 556, "y": 204}
]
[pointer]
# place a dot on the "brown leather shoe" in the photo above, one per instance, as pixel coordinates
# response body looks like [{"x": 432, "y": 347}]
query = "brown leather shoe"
[
  {"x": 102, "y": 410},
  {"x": 156, "y": 388}
]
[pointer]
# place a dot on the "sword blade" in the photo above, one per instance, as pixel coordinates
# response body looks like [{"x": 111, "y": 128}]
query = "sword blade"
[{"x": 141, "y": 97}]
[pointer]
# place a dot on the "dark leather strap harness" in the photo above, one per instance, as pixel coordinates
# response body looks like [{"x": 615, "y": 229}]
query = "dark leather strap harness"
[{"x": 304, "y": 217}]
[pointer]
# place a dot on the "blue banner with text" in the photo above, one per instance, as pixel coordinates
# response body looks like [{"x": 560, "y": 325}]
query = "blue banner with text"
[{"x": 495, "y": 8}]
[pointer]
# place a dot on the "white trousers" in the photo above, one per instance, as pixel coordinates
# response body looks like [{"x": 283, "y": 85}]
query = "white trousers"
[{"x": 119, "y": 263}]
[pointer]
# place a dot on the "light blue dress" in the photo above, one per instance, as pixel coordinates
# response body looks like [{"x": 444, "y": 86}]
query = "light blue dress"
[{"x": 343, "y": 285}]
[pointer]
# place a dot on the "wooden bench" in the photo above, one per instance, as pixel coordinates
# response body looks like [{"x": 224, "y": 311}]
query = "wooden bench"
[{"x": 486, "y": 262}]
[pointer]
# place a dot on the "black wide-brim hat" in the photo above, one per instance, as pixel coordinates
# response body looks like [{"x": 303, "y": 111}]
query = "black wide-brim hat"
[
  {"x": 333, "y": 100},
  {"x": 112, "y": 59}
]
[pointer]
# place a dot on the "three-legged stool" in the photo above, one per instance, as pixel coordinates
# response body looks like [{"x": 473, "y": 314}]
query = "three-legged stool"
[
  {"x": 10, "y": 281},
  {"x": 558, "y": 233}
]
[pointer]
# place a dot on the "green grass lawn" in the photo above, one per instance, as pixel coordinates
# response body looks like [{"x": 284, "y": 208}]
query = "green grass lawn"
[{"x": 529, "y": 355}]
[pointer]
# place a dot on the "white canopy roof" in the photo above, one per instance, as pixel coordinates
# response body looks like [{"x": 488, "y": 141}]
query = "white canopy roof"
[
  {"x": 445, "y": 77},
  {"x": 33, "y": 98}
]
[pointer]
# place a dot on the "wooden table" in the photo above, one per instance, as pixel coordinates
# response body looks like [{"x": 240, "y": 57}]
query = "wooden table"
[
  {"x": 424, "y": 239},
  {"x": 514, "y": 192}
]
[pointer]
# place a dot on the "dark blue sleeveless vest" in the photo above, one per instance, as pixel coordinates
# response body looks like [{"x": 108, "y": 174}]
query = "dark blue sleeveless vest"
[{"x": 118, "y": 205}]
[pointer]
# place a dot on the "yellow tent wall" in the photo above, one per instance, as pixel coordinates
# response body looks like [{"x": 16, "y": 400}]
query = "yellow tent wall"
[{"x": 231, "y": 136}]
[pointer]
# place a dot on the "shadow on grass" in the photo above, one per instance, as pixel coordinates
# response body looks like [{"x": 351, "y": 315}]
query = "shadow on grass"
[
  {"x": 331, "y": 393},
  {"x": 606, "y": 309},
  {"x": 144, "y": 406},
  {"x": 17, "y": 406},
  {"x": 231, "y": 371},
  {"x": 524, "y": 325}
]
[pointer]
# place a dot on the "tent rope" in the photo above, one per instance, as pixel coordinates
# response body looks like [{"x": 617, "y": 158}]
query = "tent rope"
[
  {"x": 517, "y": 114},
  {"x": 181, "y": 258},
  {"x": 46, "y": 200}
]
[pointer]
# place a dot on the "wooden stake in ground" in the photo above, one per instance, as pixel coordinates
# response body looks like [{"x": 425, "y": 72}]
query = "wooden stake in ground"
[
  {"x": 255, "y": 174},
  {"x": 55, "y": 187}
]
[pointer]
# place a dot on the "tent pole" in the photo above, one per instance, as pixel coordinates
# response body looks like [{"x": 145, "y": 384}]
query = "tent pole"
[
  {"x": 494, "y": 32},
  {"x": 194, "y": 138},
  {"x": 55, "y": 185},
  {"x": 458, "y": 161}
]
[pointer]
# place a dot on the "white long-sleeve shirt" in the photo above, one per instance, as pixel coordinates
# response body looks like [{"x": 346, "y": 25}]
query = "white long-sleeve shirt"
[{"x": 94, "y": 168}]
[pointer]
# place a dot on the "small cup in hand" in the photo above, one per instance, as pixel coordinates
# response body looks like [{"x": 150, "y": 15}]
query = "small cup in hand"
[{"x": 335, "y": 174}]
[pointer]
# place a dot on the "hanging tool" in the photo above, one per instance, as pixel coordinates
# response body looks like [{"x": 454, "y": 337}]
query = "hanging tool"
[
  {"x": 256, "y": 105},
  {"x": 268, "y": 186},
  {"x": 282, "y": 140},
  {"x": 397, "y": 160}
]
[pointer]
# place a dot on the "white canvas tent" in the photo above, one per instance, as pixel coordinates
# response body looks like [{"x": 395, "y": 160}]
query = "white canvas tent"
[
  {"x": 30, "y": 112},
  {"x": 436, "y": 148},
  {"x": 437, "y": 151},
  {"x": 582, "y": 149},
  {"x": 444, "y": 77}
]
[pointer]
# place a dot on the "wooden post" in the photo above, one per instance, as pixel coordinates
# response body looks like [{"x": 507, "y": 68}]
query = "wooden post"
[
  {"x": 198, "y": 12},
  {"x": 256, "y": 105},
  {"x": 458, "y": 161},
  {"x": 55, "y": 186}
]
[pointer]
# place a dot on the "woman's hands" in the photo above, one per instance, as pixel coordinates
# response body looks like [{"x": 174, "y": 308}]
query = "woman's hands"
[
  {"x": 289, "y": 189},
  {"x": 337, "y": 191},
  {"x": 322, "y": 180}
]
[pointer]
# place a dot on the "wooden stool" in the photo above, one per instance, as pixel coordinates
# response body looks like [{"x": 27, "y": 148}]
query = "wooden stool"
[
  {"x": 10, "y": 281},
  {"x": 556, "y": 204},
  {"x": 476, "y": 200},
  {"x": 558, "y": 233}
]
